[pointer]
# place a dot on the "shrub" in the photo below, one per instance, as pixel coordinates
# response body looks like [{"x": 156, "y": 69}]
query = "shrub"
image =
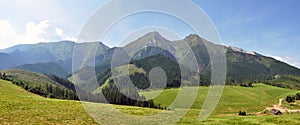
[{"x": 242, "y": 113}]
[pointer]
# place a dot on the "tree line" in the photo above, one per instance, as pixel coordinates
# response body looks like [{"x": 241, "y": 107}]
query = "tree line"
[
  {"x": 114, "y": 96},
  {"x": 288, "y": 81}
]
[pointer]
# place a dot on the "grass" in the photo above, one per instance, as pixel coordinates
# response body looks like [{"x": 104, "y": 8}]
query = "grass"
[
  {"x": 234, "y": 98},
  {"x": 18, "y": 106},
  {"x": 295, "y": 105},
  {"x": 285, "y": 119},
  {"x": 254, "y": 120},
  {"x": 128, "y": 69}
]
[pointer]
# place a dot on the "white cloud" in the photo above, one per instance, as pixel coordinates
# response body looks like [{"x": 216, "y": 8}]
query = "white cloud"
[
  {"x": 70, "y": 38},
  {"x": 34, "y": 32},
  {"x": 7, "y": 29},
  {"x": 7, "y": 33},
  {"x": 42, "y": 31},
  {"x": 59, "y": 32}
]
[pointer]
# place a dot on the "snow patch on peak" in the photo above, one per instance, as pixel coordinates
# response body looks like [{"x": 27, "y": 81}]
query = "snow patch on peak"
[{"x": 241, "y": 50}]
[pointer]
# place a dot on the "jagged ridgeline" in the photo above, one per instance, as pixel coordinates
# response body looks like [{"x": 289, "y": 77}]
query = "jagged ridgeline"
[
  {"x": 242, "y": 65},
  {"x": 50, "y": 58}
]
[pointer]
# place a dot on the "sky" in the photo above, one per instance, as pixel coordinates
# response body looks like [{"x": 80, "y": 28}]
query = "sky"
[{"x": 269, "y": 27}]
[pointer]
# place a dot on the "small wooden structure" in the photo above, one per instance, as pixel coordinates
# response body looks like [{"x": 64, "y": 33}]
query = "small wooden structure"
[{"x": 276, "y": 112}]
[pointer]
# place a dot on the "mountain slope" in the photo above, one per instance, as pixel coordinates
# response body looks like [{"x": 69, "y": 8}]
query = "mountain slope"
[
  {"x": 41, "y": 84},
  {"x": 242, "y": 65},
  {"x": 255, "y": 67},
  {"x": 9, "y": 61},
  {"x": 148, "y": 45},
  {"x": 30, "y": 56},
  {"x": 60, "y": 52},
  {"x": 27, "y": 76},
  {"x": 47, "y": 68},
  {"x": 286, "y": 81},
  {"x": 19, "y": 106}
]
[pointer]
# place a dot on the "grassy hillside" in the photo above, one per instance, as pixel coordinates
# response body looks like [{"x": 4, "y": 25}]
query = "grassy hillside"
[
  {"x": 41, "y": 84},
  {"x": 27, "y": 76},
  {"x": 18, "y": 106},
  {"x": 234, "y": 98},
  {"x": 292, "y": 119}
]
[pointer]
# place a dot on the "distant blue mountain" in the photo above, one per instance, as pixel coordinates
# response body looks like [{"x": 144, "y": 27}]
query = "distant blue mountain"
[{"x": 59, "y": 52}]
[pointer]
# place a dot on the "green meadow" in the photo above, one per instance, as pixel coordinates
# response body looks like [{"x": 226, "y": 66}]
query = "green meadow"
[
  {"x": 233, "y": 100},
  {"x": 18, "y": 106}
]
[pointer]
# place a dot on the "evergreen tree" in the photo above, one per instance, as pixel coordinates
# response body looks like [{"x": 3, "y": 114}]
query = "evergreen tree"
[{"x": 290, "y": 99}]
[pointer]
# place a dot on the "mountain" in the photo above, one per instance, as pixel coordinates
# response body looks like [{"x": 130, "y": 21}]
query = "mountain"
[
  {"x": 46, "y": 68},
  {"x": 242, "y": 65},
  {"x": 254, "y": 67},
  {"x": 8, "y": 61},
  {"x": 59, "y": 52},
  {"x": 29, "y": 56},
  {"x": 153, "y": 50},
  {"x": 148, "y": 45}
]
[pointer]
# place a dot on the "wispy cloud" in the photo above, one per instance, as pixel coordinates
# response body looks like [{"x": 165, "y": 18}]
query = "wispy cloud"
[{"x": 35, "y": 32}]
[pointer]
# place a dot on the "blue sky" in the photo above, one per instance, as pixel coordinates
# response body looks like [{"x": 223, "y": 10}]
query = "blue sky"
[{"x": 269, "y": 27}]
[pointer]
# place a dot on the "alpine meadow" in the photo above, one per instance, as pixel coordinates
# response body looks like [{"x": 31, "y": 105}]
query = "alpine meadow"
[{"x": 149, "y": 62}]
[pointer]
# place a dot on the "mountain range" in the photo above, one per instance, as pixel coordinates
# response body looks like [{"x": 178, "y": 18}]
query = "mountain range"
[
  {"x": 56, "y": 58},
  {"x": 58, "y": 53}
]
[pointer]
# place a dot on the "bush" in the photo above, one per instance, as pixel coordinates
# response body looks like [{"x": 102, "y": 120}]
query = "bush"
[
  {"x": 242, "y": 113},
  {"x": 290, "y": 99}
]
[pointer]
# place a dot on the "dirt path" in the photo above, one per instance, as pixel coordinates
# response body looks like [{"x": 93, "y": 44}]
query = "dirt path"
[
  {"x": 276, "y": 106},
  {"x": 280, "y": 100},
  {"x": 279, "y": 107}
]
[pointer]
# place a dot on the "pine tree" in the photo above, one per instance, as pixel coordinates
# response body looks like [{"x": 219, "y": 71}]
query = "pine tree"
[{"x": 290, "y": 99}]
